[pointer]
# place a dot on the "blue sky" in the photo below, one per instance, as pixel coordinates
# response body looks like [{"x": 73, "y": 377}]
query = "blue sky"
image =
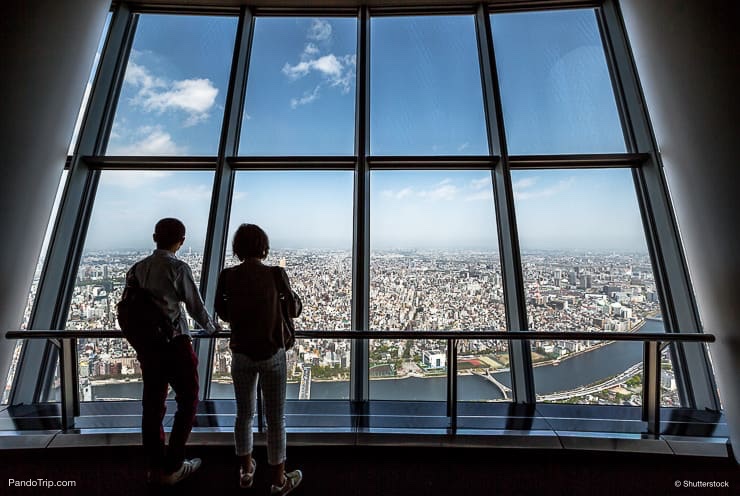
[{"x": 426, "y": 98}]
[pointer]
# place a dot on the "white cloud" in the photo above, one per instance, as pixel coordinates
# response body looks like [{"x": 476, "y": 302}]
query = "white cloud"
[
  {"x": 480, "y": 183},
  {"x": 138, "y": 75},
  {"x": 195, "y": 97},
  {"x": 307, "y": 97},
  {"x": 328, "y": 65},
  {"x": 441, "y": 191},
  {"x": 463, "y": 147},
  {"x": 297, "y": 71},
  {"x": 335, "y": 71},
  {"x": 146, "y": 140},
  {"x": 187, "y": 193},
  {"x": 132, "y": 179},
  {"x": 398, "y": 195},
  {"x": 553, "y": 190},
  {"x": 527, "y": 182},
  {"x": 310, "y": 50},
  {"x": 483, "y": 195},
  {"x": 320, "y": 30}
]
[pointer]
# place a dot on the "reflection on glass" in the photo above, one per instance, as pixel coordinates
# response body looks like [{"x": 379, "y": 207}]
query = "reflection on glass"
[
  {"x": 53, "y": 392},
  {"x": 34, "y": 287},
  {"x": 425, "y": 87},
  {"x": 127, "y": 206},
  {"x": 668, "y": 388},
  {"x": 88, "y": 87},
  {"x": 483, "y": 370},
  {"x": 308, "y": 219},
  {"x": 174, "y": 88},
  {"x": 434, "y": 265},
  {"x": 586, "y": 268},
  {"x": 301, "y": 91},
  {"x": 556, "y": 93}
]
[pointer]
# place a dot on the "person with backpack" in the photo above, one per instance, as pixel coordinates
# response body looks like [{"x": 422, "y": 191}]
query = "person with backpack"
[
  {"x": 168, "y": 359},
  {"x": 256, "y": 299}
]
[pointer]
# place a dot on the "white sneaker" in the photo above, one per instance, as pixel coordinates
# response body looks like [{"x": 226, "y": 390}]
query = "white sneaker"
[
  {"x": 292, "y": 479},
  {"x": 187, "y": 469},
  {"x": 246, "y": 479}
]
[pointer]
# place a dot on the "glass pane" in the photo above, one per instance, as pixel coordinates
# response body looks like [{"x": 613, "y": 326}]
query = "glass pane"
[
  {"x": 174, "y": 90},
  {"x": 434, "y": 265},
  {"x": 127, "y": 206},
  {"x": 308, "y": 219},
  {"x": 586, "y": 268},
  {"x": 88, "y": 87},
  {"x": 483, "y": 370},
  {"x": 34, "y": 286},
  {"x": 409, "y": 370},
  {"x": 425, "y": 87},
  {"x": 53, "y": 392},
  {"x": 556, "y": 93},
  {"x": 668, "y": 386},
  {"x": 301, "y": 88}
]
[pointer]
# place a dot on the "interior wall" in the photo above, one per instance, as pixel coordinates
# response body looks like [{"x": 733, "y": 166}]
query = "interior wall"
[
  {"x": 686, "y": 56},
  {"x": 47, "y": 49}
]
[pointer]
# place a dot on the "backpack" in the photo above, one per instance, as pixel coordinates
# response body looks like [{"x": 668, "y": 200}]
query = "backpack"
[{"x": 143, "y": 323}]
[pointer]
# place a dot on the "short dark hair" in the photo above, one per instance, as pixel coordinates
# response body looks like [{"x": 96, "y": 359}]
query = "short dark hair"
[
  {"x": 250, "y": 241},
  {"x": 168, "y": 231}
]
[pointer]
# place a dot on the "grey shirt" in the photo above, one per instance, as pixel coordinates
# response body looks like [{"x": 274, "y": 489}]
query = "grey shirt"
[{"x": 170, "y": 281}]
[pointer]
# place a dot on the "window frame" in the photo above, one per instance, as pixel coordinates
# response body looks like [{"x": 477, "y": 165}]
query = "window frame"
[{"x": 38, "y": 359}]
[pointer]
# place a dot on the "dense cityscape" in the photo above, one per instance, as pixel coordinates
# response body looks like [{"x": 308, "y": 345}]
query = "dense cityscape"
[{"x": 410, "y": 290}]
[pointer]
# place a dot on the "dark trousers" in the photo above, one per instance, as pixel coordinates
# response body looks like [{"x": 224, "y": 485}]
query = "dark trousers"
[{"x": 175, "y": 365}]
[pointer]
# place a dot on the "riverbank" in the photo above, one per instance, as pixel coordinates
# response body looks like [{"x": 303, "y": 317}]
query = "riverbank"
[{"x": 557, "y": 361}]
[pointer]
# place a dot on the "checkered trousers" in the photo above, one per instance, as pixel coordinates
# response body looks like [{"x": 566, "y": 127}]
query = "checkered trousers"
[{"x": 272, "y": 374}]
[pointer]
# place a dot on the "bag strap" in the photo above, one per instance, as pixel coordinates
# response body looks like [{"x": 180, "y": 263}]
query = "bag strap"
[
  {"x": 279, "y": 283},
  {"x": 132, "y": 282}
]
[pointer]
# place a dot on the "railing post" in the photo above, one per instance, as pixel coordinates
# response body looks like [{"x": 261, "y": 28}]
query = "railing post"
[
  {"x": 68, "y": 378},
  {"x": 651, "y": 386},
  {"x": 452, "y": 383}
]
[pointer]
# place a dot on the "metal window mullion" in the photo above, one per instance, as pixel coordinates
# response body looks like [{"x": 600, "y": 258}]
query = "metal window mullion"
[
  {"x": 67, "y": 241},
  {"x": 359, "y": 385},
  {"x": 223, "y": 185},
  {"x": 694, "y": 373},
  {"x": 516, "y": 317}
]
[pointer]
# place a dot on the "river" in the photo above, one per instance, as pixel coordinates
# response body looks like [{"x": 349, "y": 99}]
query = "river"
[{"x": 571, "y": 373}]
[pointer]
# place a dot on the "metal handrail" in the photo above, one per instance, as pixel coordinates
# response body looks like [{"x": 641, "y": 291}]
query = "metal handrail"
[
  {"x": 504, "y": 335},
  {"x": 652, "y": 345}
]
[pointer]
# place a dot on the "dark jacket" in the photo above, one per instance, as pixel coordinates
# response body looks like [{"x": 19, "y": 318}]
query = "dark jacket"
[{"x": 247, "y": 298}]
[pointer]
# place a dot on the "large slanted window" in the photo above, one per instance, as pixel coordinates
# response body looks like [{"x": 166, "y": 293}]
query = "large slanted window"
[
  {"x": 171, "y": 103},
  {"x": 414, "y": 170}
]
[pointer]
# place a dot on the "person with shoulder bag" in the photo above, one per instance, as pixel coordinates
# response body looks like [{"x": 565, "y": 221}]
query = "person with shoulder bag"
[
  {"x": 258, "y": 302},
  {"x": 152, "y": 319}
]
